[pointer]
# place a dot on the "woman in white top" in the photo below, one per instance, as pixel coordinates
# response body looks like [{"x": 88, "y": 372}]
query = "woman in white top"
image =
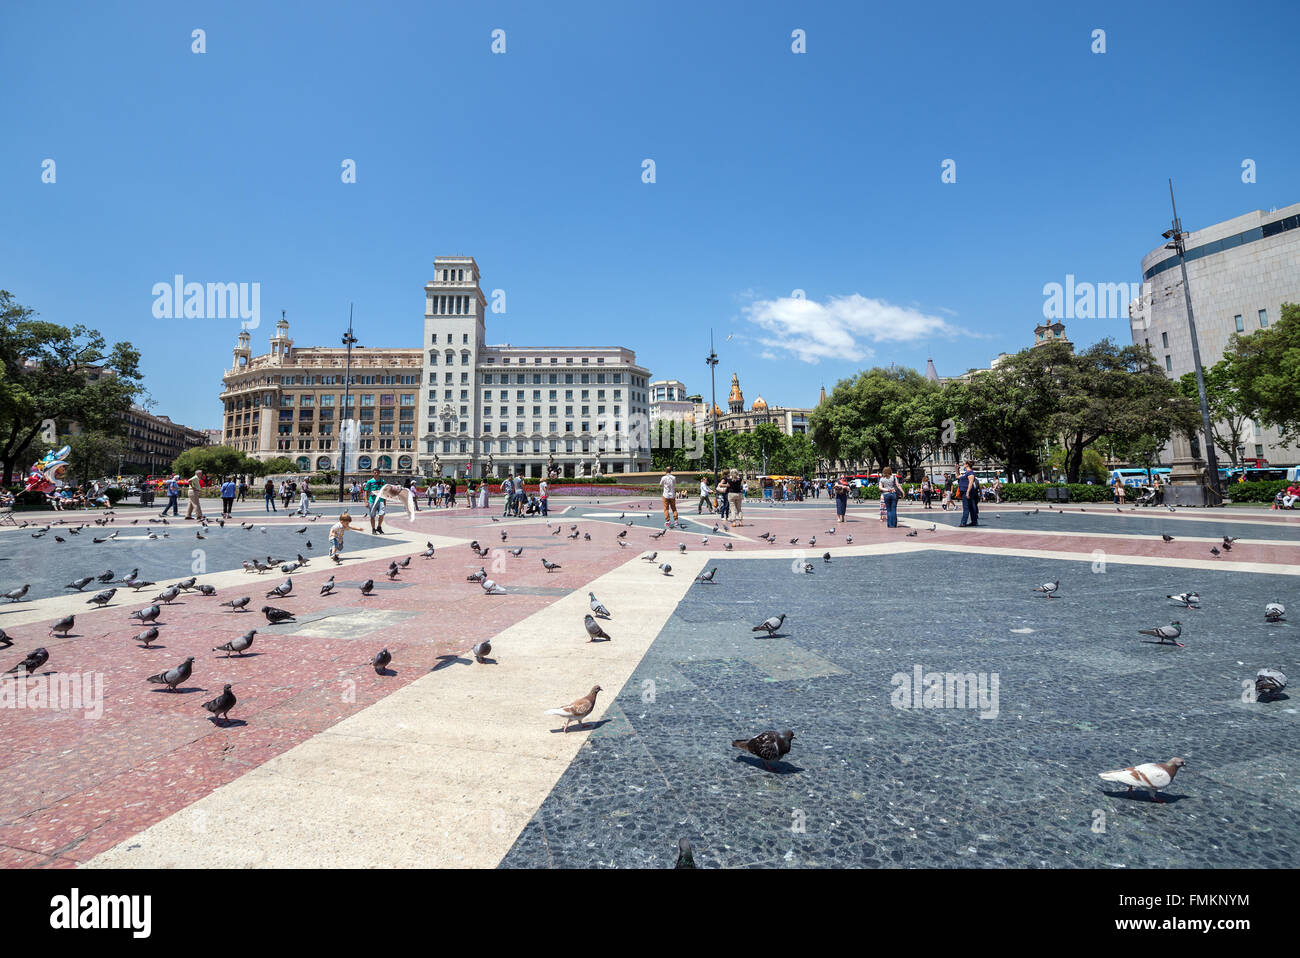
[{"x": 889, "y": 497}]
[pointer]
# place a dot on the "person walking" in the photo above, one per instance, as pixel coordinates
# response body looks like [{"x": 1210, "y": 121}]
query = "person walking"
[
  {"x": 243, "y": 489},
  {"x": 889, "y": 497},
  {"x": 194, "y": 510},
  {"x": 451, "y": 493},
  {"x": 927, "y": 492},
  {"x": 995, "y": 488},
  {"x": 543, "y": 490},
  {"x": 484, "y": 493},
  {"x": 968, "y": 486},
  {"x": 1119, "y": 491},
  {"x": 668, "y": 489},
  {"x": 375, "y": 502},
  {"x": 704, "y": 504},
  {"x": 722, "y": 487},
  {"x": 228, "y": 492},
  {"x": 736, "y": 498},
  {"x": 268, "y": 492},
  {"x": 173, "y": 489},
  {"x": 304, "y": 499},
  {"x": 841, "y": 490},
  {"x": 343, "y": 524}
]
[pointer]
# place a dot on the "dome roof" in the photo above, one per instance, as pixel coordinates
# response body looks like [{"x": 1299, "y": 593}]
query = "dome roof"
[
  {"x": 760, "y": 403},
  {"x": 736, "y": 395}
]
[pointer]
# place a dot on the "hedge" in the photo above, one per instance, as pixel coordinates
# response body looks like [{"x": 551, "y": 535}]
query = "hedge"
[{"x": 1254, "y": 491}]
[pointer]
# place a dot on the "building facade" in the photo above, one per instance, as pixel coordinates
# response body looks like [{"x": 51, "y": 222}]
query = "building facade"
[
  {"x": 455, "y": 406},
  {"x": 1241, "y": 271},
  {"x": 668, "y": 400},
  {"x": 154, "y": 442},
  {"x": 737, "y": 418}
]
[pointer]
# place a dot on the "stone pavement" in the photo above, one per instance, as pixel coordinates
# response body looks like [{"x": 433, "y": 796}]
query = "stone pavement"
[{"x": 448, "y": 763}]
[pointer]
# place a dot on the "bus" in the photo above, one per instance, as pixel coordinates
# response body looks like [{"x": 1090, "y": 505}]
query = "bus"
[
  {"x": 1259, "y": 475},
  {"x": 1138, "y": 477}
]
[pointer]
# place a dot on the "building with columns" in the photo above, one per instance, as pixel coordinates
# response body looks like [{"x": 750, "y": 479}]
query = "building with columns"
[
  {"x": 454, "y": 406},
  {"x": 737, "y": 418}
]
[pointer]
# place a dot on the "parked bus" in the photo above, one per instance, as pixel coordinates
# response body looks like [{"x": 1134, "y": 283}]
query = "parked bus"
[{"x": 1138, "y": 477}]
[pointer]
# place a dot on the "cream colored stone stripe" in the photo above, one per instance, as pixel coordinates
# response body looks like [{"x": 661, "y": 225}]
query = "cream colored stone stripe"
[
  {"x": 445, "y": 772},
  {"x": 924, "y": 526}
]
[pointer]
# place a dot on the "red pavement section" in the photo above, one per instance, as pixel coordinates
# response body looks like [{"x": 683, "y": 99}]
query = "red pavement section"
[{"x": 72, "y": 787}]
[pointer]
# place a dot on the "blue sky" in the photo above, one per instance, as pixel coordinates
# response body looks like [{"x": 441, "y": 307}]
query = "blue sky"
[{"x": 775, "y": 171}]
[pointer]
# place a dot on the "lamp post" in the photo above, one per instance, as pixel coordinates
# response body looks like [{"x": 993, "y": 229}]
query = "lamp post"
[
  {"x": 348, "y": 340},
  {"x": 1176, "y": 235},
  {"x": 712, "y": 360}
]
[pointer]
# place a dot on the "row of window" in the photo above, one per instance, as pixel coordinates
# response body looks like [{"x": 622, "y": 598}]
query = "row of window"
[
  {"x": 1227, "y": 243},
  {"x": 357, "y": 380}
]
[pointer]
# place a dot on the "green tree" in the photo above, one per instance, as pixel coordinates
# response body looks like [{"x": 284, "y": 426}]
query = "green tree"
[
  {"x": 215, "y": 461},
  {"x": 1264, "y": 369},
  {"x": 92, "y": 455},
  {"x": 1229, "y": 410},
  {"x": 278, "y": 466},
  {"x": 1002, "y": 414},
  {"x": 864, "y": 418},
  {"x": 52, "y": 372}
]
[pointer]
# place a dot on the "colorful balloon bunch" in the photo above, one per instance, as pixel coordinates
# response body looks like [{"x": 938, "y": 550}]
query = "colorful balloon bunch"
[{"x": 48, "y": 471}]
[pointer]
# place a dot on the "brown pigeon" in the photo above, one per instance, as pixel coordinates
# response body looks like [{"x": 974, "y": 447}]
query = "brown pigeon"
[{"x": 578, "y": 710}]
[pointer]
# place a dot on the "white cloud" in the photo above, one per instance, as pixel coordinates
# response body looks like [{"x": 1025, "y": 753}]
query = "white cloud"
[{"x": 839, "y": 328}]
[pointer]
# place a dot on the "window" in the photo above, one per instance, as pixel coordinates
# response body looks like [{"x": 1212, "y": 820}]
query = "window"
[
  {"x": 1240, "y": 326},
  {"x": 1263, "y": 319},
  {"x": 1164, "y": 340},
  {"x": 1169, "y": 365}
]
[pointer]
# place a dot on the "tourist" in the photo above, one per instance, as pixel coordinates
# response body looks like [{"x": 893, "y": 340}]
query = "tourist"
[
  {"x": 543, "y": 489},
  {"x": 668, "y": 489},
  {"x": 173, "y": 487},
  {"x": 228, "y": 492},
  {"x": 304, "y": 499},
  {"x": 269, "y": 493},
  {"x": 736, "y": 489},
  {"x": 336, "y": 535},
  {"x": 704, "y": 504},
  {"x": 375, "y": 502},
  {"x": 243, "y": 489},
  {"x": 968, "y": 485},
  {"x": 451, "y": 493},
  {"x": 927, "y": 492},
  {"x": 428, "y": 495},
  {"x": 484, "y": 491},
  {"x": 1117, "y": 490},
  {"x": 841, "y": 492},
  {"x": 995, "y": 487},
  {"x": 721, "y": 488},
  {"x": 889, "y": 497},
  {"x": 194, "y": 510}
]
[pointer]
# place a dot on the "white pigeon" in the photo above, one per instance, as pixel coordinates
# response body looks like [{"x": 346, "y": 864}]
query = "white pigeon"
[
  {"x": 1048, "y": 588},
  {"x": 1274, "y": 612},
  {"x": 1152, "y": 776},
  {"x": 1189, "y": 599},
  {"x": 491, "y": 588},
  {"x": 1268, "y": 684}
]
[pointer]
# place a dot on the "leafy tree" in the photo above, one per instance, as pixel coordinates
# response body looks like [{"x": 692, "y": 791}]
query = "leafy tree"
[
  {"x": 1229, "y": 410},
  {"x": 1093, "y": 466},
  {"x": 278, "y": 466},
  {"x": 215, "y": 461},
  {"x": 94, "y": 454},
  {"x": 862, "y": 420},
  {"x": 1002, "y": 414},
  {"x": 1264, "y": 369},
  {"x": 53, "y": 372}
]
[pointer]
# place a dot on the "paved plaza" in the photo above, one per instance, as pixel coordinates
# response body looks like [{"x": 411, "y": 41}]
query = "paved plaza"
[{"x": 442, "y": 761}]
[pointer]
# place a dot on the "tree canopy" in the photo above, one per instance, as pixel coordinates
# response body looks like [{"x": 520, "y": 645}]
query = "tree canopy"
[{"x": 1263, "y": 368}]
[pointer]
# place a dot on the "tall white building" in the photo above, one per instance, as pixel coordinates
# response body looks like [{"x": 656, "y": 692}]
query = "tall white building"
[
  {"x": 1241, "y": 272},
  {"x": 668, "y": 401},
  {"x": 496, "y": 409}
]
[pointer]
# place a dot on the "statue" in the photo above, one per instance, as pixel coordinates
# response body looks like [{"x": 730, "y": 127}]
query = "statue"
[
  {"x": 491, "y": 466},
  {"x": 582, "y": 468},
  {"x": 595, "y": 467},
  {"x": 437, "y": 465}
]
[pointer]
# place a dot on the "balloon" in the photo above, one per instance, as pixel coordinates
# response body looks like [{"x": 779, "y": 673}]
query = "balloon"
[{"x": 47, "y": 471}]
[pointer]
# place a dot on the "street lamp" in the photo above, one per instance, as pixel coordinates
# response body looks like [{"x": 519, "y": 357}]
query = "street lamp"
[
  {"x": 712, "y": 360},
  {"x": 1176, "y": 235},
  {"x": 348, "y": 340}
]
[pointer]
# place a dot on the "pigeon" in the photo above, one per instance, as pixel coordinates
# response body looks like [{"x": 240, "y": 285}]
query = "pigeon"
[
  {"x": 727, "y": 546},
  {"x": 549, "y": 566},
  {"x": 622, "y": 534},
  {"x": 1274, "y": 612},
  {"x": 516, "y": 551},
  {"x": 478, "y": 576},
  {"x": 148, "y": 635},
  {"x": 290, "y": 567},
  {"x": 770, "y": 625},
  {"x": 577, "y": 710},
  {"x": 33, "y": 662},
  {"x": 1167, "y": 537},
  {"x": 393, "y": 572},
  {"x": 328, "y": 587},
  {"x": 481, "y": 651},
  {"x": 1269, "y": 684},
  {"x": 206, "y": 589},
  {"x": 503, "y": 535},
  {"x": 593, "y": 628},
  {"x": 666, "y": 569},
  {"x": 368, "y": 587},
  {"x": 427, "y": 553},
  {"x": 572, "y": 535},
  {"x": 174, "y": 677},
  {"x": 491, "y": 588},
  {"x": 557, "y": 531},
  {"x": 912, "y": 533},
  {"x": 685, "y": 855},
  {"x": 1214, "y": 550},
  {"x": 237, "y": 605},
  {"x": 812, "y": 541},
  {"x": 651, "y": 557},
  {"x": 848, "y": 539},
  {"x": 300, "y": 531},
  {"x": 131, "y": 578},
  {"x": 1152, "y": 776},
  {"x": 826, "y": 557},
  {"x": 707, "y": 576},
  {"x": 198, "y": 534},
  {"x": 659, "y": 534},
  {"x": 276, "y": 616},
  {"x": 406, "y": 563},
  {"x": 167, "y": 595},
  {"x": 770, "y": 746},
  {"x": 237, "y": 645},
  {"x": 1048, "y": 588},
  {"x": 5, "y": 641},
  {"x": 308, "y": 545},
  {"x": 622, "y": 544},
  {"x": 222, "y": 704},
  {"x": 102, "y": 598},
  {"x": 1166, "y": 633},
  {"x": 808, "y": 568},
  {"x": 681, "y": 547},
  {"x": 149, "y": 614},
  {"x": 1190, "y": 600},
  {"x": 586, "y": 536},
  {"x": 381, "y": 660},
  {"x": 597, "y": 607},
  {"x": 80, "y": 584},
  {"x": 794, "y": 541},
  {"x": 16, "y": 594},
  {"x": 64, "y": 625},
  {"x": 1227, "y": 546}
]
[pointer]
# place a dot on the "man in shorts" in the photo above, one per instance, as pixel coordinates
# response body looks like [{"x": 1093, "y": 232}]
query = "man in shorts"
[
  {"x": 375, "y": 502},
  {"x": 669, "y": 486}
]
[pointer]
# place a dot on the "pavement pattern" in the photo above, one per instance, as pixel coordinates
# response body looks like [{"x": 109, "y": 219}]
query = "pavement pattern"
[{"x": 445, "y": 762}]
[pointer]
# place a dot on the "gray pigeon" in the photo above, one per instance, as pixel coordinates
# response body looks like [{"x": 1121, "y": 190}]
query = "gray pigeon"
[
  {"x": 368, "y": 587},
  {"x": 149, "y": 614},
  {"x": 281, "y": 590},
  {"x": 237, "y": 645},
  {"x": 481, "y": 651},
  {"x": 167, "y": 595},
  {"x": 1190, "y": 600},
  {"x": 17, "y": 594},
  {"x": 206, "y": 589},
  {"x": 770, "y": 746},
  {"x": 685, "y": 855},
  {"x": 651, "y": 557},
  {"x": 666, "y": 569},
  {"x": 5, "y": 641},
  {"x": 80, "y": 584},
  {"x": 106, "y": 576},
  {"x": 826, "y": 557},
  {"x": 593, "y": 628},
  {"x": 1269, "y": 684},
  {"x": 102, "y": 598},
  {"x": 64, "y": 625},
  {"x": 34, "y": 661},
  {"x": 276, "y": 616},
  {"x": 148, "y": 635},
  {"x": 237, "y": 604},
  {"x": 1274, "y": 612},
  {"x": 597, "y": 607},
  {"x": 478, "y": 576},
  {"x": 1048, "y": 588},
  {"x": 770, "y": 625},
  {"x": 174, "y": 677},
  {"x": 517, "y": 551},
  {"x": 381, "y": 660},
  {"x": 1166, "y": 633},
  {"x": 222, "y": 704},
  {"x": 707, "y": 576},
  {"x": 328, "y": 587},
  {"x": 491, "y": 588},
  {"x": 550, "y": 566},
  {"x": 727, "y": 546},
  {"x": 427, "y": 553}
]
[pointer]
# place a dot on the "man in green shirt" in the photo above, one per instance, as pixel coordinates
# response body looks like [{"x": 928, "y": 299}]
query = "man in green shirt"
[{"x": 375, "y": 504}]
